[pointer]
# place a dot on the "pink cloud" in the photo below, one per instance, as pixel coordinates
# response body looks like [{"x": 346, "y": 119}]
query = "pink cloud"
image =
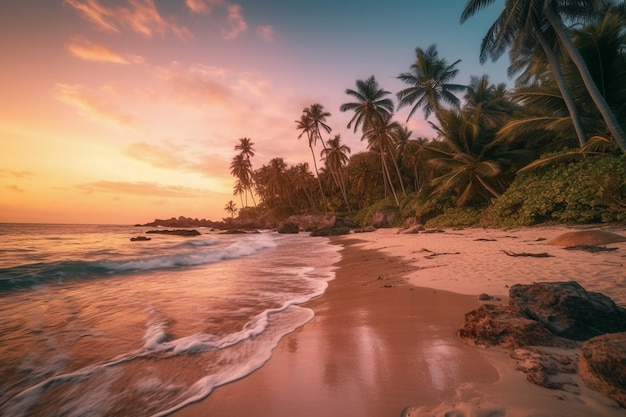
[
  {"x": 140, "y": 16},
  {"x": 14, "y": 188},
  {"x": 91, "y": 104},
  {"x": 236, "y": 22},
  {"x": 202, "y": 6},
  {"x": 84, "y": 49},
  {"x": 16, "y": 174},
  {"x": 266, "y": 32},
  {"x": 198, "y": 84}
]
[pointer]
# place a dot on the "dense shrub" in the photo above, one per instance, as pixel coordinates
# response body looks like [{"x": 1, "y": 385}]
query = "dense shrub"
[
  {"x": 425, "y": 206},
  {"x": 457, "y": 216},
  {"x": 364, "y": 217},
  {"x": 592, "y": 190}
]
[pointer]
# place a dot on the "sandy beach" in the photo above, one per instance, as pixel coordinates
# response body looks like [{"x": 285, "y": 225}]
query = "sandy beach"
[{"x": 383, "y": 340}]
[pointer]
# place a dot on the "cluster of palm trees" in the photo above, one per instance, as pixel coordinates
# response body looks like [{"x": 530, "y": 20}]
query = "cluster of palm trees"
[{"x": 570, "y": 92}]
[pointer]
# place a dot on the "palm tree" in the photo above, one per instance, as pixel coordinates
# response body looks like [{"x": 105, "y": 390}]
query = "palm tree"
[
  {"x": 336, "y": 157},
  {"x": 317, "y": 116},
  {"x": 523, "y": 21},
  {"x": 473, "y": 161},
  {"x": 240, "y": 168},
  {"x": 310, "y": 120},
  {"x": 429, "y": 78},
  {"x": 246, "y": 149},
  {"x": 239, "y": 190},
  {"x": 231, "y": 208},
  {"x": 372, "y": 110}
]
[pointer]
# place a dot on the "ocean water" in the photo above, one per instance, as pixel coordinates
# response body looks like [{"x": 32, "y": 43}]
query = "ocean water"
[{"x": 92, "y": 324}]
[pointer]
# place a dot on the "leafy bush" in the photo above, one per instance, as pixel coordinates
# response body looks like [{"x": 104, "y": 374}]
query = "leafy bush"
[
  {"x": 425, "y": 205},
  {"x": 591, "y": 190}
]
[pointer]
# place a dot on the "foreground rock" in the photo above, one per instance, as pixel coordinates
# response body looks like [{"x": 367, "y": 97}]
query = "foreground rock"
[
  {"x": 542, "y": 316},
  {"x": 602, "y": 365},
  {"x": 587, "y": 237},
  {"x": 288, "y": 227},
  {"x": 567, "y": 309},
  {"x": 177, "y": 232}
]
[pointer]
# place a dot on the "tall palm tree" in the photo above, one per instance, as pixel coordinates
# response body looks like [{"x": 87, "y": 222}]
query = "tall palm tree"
[
  {"x": 371, "y": 111},
  {"x": 308, "y": 126},
  {"x": 240, "y": 168},
  {"x": 317, "y": 115},
  {"x": 231, "y": 208},
  {"x": 336, "y": 157},
  {"x": 246, "y": 149},
  {"x": 430, "y": 83},
  {"x": 525, "y": 20}
]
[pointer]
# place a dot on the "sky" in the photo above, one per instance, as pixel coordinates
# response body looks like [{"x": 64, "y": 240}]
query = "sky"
[{"x": 123, "y": 111}]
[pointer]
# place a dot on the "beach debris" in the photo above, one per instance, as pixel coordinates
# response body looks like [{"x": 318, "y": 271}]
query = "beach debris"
[
  {"x": 533, "y": 255},
  {"x": 601, "y": 365},
  {"x": 367, "y": 229},
  {"x": 411, "y": 230},
  {"x": 484, "y": 239},
  {"x": 435, "y": 254},
  {"x": 591, "y": 248},
  {"x": 140, "y": 238},
  {"x": 433, "y": 231},
  {"x": 587, "y": 237}
]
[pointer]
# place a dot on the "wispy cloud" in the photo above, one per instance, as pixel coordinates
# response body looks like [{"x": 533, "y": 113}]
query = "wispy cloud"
[
  {"x": 15, "y": 188},
  {"x": 82, "y": 48},
  {"x": 91, "y": 104},
  {"x": 140, "y": 16},
  {"x": 266, "y": 32},
  {"x": 203, "y": 6},
  {"x": 199, "y": 84},
  {"x": 176, "y": 157},
  {"x": 16, "y": 174},
  {"x": 143, "y": 189},
  {"x": 236, "y": 23}
]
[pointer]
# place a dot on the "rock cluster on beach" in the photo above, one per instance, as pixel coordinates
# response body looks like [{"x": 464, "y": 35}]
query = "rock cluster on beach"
[{"x": 562, "y": 315}]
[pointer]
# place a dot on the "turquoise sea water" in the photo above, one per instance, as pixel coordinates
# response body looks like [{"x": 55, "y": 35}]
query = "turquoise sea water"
[{"x": 94, "y": 324}]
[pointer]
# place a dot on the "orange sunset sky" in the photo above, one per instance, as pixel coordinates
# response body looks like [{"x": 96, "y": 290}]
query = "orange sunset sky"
[{"x": 123, "y": 111}]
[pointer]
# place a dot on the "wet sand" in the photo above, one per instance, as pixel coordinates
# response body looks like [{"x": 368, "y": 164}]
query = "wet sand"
[{"x": 375, "y": 346}]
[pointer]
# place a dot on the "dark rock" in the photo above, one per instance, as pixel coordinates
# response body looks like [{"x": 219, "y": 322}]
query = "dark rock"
[
  {"x": 412, "y": 229},
  {"x": 491, "y": 325},
  {"x": 602, "y": 365},
  {"x": 178, "y": 232},
  {"x": 233, "y": 232},
  {"x": 288, "y": 228},
  {"x": 484, "y": 297},
  {"x": 567, "y": 309},
  {"x": 139, "y": 238},
  {"x": 384, "y": 218},
  {"x": 331, "y": 231}
]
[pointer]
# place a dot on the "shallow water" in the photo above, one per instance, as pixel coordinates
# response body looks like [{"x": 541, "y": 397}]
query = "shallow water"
[{"x": 94, "y": 324}]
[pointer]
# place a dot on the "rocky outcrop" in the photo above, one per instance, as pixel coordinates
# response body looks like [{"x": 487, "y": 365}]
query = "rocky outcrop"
[
  {"x": 544, "y": 313},
  {"x": 567, "y": 309},
  {"x": 602, "y": 365},
  {"x": 367, "y": 229},
  {"x": 177, "y": 232},
  {"x": 491, "y": 325},
  {"x": 385, "y": 218},
  {"x": 288, "y": 227},
  {"x": 557, "y": 314}
]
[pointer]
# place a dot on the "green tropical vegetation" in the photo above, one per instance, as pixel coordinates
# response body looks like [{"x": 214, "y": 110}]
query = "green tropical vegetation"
[{"x": 549, "y": 149}]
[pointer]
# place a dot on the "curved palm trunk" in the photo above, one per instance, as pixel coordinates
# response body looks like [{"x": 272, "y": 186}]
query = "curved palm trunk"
[
  {"x": 342, "y": 187},
  {"x": 565, "y": 91},
  {"x": 395, "y": 164},
  {"x": 387, "y": 177},
  {"x": 318, "y": 179},
  {"x": 592, "y": 88}
]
